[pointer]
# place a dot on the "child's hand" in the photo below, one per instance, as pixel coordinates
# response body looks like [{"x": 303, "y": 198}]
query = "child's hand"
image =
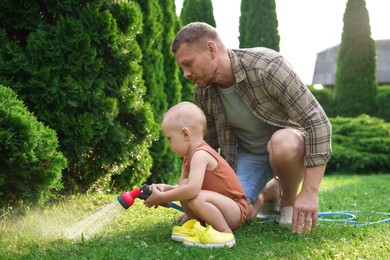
[
  {"x": 154, "y": 198},
  {"x": 160, "y": 186}
]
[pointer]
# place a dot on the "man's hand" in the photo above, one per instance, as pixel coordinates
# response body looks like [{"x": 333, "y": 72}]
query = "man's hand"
[{"x": 305, "y": 212}]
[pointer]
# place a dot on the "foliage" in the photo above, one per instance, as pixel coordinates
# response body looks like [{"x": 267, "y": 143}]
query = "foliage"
[
  {"x": 157, "y": 75},
  {"x": 139, "y": 232},
  {"x": 166, "y": 165},
  {"x": 382, "y": 103},
  {"x": 360, "y": 145},
  {"x": 172, "y": 86},
  {"x": 30, "y": 163},
  {"x": 326, "y": 99},
  {"x": 77, "y": 67},
  {"x": 150, "y": 41},
  {"x": 135, "y": 174},
  {"x": 197, "y": 11},
  {"x": 355, "y": 84},
  {"x": 259, "y": 24},
  {"x": 194, "y": 11},
  {"x": 187, "y": 90},
  {"x": 187, "y": 86}
]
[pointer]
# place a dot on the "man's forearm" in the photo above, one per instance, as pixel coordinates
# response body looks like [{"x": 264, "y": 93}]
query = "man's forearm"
[{"x": 313, "y": 178}]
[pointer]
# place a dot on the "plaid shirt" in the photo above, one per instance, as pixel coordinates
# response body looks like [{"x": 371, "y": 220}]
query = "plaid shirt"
[{"x": 275, "y": 94}]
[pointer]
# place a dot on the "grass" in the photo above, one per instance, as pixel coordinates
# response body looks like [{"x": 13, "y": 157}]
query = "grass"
[{"x": 142, "y": 233}]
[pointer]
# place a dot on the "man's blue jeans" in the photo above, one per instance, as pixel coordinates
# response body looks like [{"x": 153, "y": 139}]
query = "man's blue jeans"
[{"x": 253, "y": 172}]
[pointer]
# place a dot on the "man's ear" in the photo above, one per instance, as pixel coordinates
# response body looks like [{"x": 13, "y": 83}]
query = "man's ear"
[
  {"x": 212, "y": 48},
  {"x": 186, "y": 133}
]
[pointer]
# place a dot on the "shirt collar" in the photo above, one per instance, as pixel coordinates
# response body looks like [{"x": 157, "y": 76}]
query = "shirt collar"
[{"x": 238, "y": 71}]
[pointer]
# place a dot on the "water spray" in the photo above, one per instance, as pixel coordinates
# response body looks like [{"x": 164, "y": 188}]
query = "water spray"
[
  {"x": 92, "y": 224},
  {"x": 126, "y": 199}
]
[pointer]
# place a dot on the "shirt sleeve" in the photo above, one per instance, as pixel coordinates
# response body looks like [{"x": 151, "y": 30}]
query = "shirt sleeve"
[{"x": 302, "y": 107}]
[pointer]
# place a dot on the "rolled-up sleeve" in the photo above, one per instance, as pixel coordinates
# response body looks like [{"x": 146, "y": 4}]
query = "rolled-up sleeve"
[{"x": 301, "y": 107}]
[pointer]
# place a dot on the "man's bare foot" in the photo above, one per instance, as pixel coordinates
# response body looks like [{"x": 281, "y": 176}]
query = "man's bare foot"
[
  {"x": 272, "y": 190},
  {"x": 271, "y": 193}
]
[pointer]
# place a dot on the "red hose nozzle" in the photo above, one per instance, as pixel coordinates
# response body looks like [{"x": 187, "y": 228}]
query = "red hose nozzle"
[{"x": 126, "y": 199}]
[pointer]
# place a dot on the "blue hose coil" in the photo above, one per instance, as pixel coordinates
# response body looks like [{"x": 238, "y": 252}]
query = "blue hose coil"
[{"x": 349, "y": 218}]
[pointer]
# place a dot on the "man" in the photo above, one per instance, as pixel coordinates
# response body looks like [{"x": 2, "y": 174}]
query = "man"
[{"x": 261, "y": 117}]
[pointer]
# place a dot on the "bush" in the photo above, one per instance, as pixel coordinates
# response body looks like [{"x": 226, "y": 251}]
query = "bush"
[
  {"x": 360, "y": 145},
  {"x": 355, "y": 80},
  {"x": 79, "y": 72},
  {"x": 30, "y": 164},
  {"x": 382, "y": 103}
]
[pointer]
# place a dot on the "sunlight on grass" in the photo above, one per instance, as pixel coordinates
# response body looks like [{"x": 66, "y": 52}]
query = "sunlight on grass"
[
  {"x": 66, "y": 219},
  {"x": 139, "y": 232},
  {"x": 355, "y": 193},
  {"x": 94, "y": 222},
  {"x": 336, "y": 182}
]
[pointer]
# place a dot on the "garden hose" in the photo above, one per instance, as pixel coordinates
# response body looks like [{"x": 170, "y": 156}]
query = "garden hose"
[
  {"x": 349, "y": 217},
  {"x": 143, "y": 192}
]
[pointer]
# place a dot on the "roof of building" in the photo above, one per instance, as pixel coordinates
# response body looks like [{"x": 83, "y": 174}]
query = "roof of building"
[{"x": 326, "y": 64}]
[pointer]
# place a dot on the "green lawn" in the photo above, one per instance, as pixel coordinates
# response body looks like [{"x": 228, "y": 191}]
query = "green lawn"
[{"x": 141, "y": 233}]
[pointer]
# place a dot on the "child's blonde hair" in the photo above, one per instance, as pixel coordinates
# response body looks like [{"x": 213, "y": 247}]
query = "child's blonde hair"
[{"x": 186, "y": 114}]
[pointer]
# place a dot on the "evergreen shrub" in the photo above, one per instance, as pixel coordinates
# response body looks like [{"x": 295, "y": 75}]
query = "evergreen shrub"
[
  {"x": 30, "y": 163},
  {"x": 361, "y": 145},
  {"x": 382, "y": 102},
  {"x": 78, "y": 69}
]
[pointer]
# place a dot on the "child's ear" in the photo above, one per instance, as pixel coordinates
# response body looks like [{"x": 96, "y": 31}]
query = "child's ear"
[{"x": 186, "y": 133}]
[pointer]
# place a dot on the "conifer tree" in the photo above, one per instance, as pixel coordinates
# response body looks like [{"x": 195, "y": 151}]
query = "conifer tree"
[
  {"x": 194, "y": 11},
  {"x": 259, "y": 24},
  {"x": 356, "y": 83},
  {"x": 160, "y": 80},
  {"x": 159, "y": 19},
  {"x": 76, "y": 65},
  {"x": 150, "y": 41},
  {"x": 166, "y": 164},
  {"x": 197, "y": 11}
]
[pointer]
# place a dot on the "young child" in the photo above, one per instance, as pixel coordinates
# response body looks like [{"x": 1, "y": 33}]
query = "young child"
[{"x": 208, "y": 188}]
